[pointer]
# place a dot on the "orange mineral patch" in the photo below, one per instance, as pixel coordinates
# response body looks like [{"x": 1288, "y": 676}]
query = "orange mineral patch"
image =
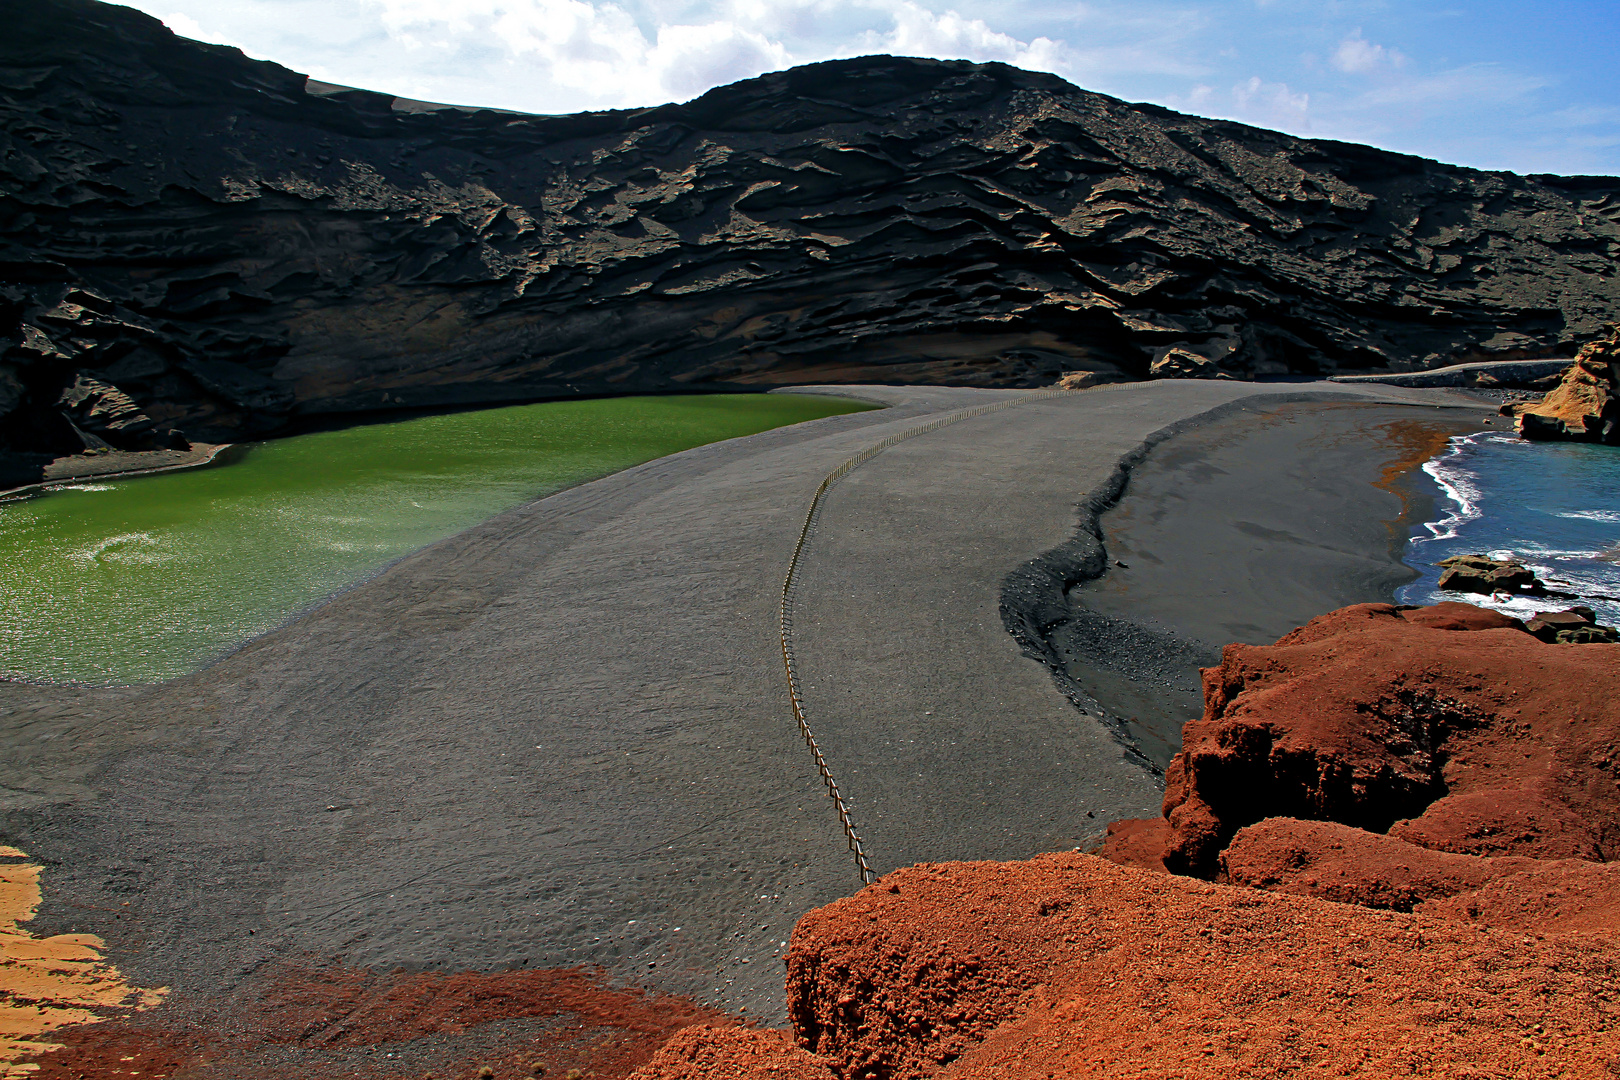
[
  {"x": 46, "y": 983},
  {"x": 1413, "y": 443}
]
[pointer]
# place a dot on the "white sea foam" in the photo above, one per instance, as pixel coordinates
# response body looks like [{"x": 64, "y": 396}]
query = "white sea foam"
[
  {"x": 1592, "y": 515},
  {"x": 1460, "y": 487},
  {"x": 1532, "y": 550}
]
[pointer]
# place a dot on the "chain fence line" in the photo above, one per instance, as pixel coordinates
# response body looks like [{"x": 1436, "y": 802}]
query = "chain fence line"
[{"x": 790, "y": 585}]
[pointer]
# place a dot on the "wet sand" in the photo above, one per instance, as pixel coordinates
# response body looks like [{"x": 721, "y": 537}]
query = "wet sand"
[{"x": 1239, "y": 531}]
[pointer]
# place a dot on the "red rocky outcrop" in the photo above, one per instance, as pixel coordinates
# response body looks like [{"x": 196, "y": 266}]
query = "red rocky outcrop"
[
  {"x": 1066, "y": 965},
  {"x": 1353, "y": 866},
  {"x": 1448, "y": 727}
]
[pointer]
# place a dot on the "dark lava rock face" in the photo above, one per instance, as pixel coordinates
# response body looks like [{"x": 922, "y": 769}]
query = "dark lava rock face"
[{"x": 234, "y": 248}]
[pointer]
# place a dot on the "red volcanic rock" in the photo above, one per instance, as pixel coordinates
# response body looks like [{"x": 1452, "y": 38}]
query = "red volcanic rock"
[
  {"x": 1448, "y": 727},
  {"x": 1564, "y": 897},
  {"x": 1067, "y": 965},
  {"x": 1138, "y": 842},
  {"x": 1353, "y": 866},
  {"x": 707, "y": 1052},
  {"x": 1453, "y": 616},
  {"x": 1507, "y": 818}
]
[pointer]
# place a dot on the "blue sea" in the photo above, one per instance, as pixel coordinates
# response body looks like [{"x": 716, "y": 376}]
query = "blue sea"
[{"x": 1555, "y": 507}]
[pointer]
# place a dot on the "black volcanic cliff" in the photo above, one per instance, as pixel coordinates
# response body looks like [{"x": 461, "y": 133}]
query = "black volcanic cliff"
[{"x": 200, "y": 241}]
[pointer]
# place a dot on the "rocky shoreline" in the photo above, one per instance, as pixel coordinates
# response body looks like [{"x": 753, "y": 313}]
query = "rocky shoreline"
[{"x": 109, "y": 464}]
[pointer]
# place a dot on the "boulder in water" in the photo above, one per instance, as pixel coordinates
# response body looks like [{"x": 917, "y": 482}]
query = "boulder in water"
[
  {"x": 1478, "y": 574},
  {"x": 1579, "y": 623}
]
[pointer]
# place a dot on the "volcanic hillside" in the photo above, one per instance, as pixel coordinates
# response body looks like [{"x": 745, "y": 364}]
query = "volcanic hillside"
[{"x": 200, "y": 241}]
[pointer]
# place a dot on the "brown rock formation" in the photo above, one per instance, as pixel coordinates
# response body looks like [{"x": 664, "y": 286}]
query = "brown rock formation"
[
  {"x": 1085, "y": 380},
  {"x": 234, "y": 247},
  {"x": 1572, "y": 626},
  {"x": 1585, "y": 405},
  {"x": 105, "y": 416},
  {"x": 1181, "y": 363}
]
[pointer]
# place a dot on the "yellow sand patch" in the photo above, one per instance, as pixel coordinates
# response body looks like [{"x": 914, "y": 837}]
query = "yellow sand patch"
[{"x": 46, "y": 983}]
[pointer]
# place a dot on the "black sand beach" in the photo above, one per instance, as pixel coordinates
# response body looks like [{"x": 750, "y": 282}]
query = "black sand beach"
[
  {"x": 1239, "y": 531},
  {"x": 562, "y": 737}
]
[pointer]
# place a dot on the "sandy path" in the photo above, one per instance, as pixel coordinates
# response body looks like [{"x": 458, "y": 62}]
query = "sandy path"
[{"x": 558, "y": 736}]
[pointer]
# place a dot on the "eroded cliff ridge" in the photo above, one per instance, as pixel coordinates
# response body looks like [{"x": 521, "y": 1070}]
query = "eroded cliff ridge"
[{"x": 230, "y": 246}]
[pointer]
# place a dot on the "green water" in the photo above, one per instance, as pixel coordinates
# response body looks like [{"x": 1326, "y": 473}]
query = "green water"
[{"x": 143, "y": 579}]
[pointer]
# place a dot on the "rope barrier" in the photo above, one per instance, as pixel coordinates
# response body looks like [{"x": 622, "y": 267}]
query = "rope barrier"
[{"x": 790, "y": 583}]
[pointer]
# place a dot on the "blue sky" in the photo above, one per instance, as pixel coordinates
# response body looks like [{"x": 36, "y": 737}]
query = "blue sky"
[{"x": 1496, "y": 84}]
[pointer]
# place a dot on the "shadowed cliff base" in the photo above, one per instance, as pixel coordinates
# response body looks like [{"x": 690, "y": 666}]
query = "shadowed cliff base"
[{"x": 202, "y": 246}]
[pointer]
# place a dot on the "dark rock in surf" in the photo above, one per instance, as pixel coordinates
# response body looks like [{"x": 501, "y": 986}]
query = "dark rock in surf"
[{"x": 1477, "y": 574}]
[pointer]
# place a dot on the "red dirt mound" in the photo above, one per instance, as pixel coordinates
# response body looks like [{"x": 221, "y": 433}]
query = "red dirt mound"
[
  {"x": 1067, "y": 965},
  {"x": 1564, "y": 897},
  {"x": 1445, "y": 726},
  {"x": 1353, "y": 866},
  {"x": 711, "y": 1053},
  {"x": 1138, "y": 842},
  {"x": 333, "y": 1021}
]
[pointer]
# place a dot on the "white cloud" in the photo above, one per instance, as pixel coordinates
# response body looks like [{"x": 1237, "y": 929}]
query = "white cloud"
[
  {"x": 186, "y": 26},
  {"x": 1357, "y": 55},
  {"x": 948, "y": 35},
  {"x": 565, "y": 55},
  {"x": 596, "y": 52},
  {"x": 1272, "y": 104},
  {"x": 599, "y": 54}
]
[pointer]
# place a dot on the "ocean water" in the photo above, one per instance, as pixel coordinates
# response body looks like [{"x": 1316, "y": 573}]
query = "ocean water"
[
  {"x": 142, "y": 579},
  {"x": 1553, "y": 506}
]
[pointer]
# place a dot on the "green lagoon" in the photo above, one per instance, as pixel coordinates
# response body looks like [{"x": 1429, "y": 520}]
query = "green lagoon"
[{"x": 143, "y": 579}]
